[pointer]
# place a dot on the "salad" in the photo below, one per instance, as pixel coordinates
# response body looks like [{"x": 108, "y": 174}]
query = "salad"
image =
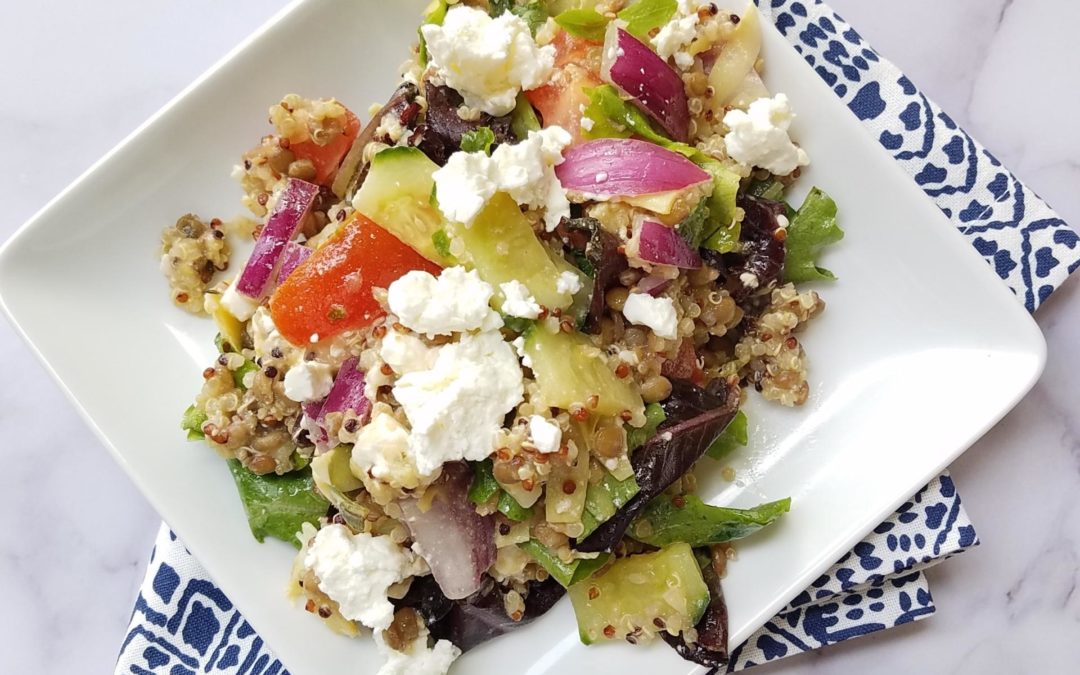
[{"x": 483, "y": 340}]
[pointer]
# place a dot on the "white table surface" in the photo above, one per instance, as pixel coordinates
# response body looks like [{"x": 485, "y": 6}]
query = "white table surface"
[{"x": 75, "y": 534}]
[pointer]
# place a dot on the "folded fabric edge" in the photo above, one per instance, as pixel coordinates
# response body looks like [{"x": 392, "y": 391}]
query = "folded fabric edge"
[
  {"x": 1023, "y": 240},
  {"x": 847, "y": 616}
]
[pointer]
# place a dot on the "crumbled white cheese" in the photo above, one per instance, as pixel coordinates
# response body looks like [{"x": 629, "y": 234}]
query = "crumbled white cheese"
[
  {"x": 525, "y": 170},
  {"x": 519, "y": 347},
  {"x": 759, "y": 136},
  {"x": 546, "y": 434},
  {"x": 568, "y": 282},
  {"x": 355, "y": 570},
  {"x": 308, "y": 381},
  {"x": 455, "y": 301},
  {"x": 518, "y": 301},
  {"x": 656, "y": 313},
  {"x": 782, "y": 221},
  {"x": 240, "y": 306},
  {"x": 587, "y": 123},
  {"x": 417, "y": 658},
  {"x": 381, "y": 450},
  {"x": 390, "y": 128},
  {"x": 679, "y": 32},
  {"x": 749, "y": 279},
  {"x": 405, "y": 353},
  {"x": 629, "y": 357},
  {"x": 265, "y": 336},
  {"x": 487, "y": 60},
  {"x": 456, "y": 407}
]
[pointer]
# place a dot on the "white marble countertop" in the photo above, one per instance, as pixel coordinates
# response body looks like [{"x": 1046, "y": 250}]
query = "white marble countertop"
[{"x": 75, "y": 534}]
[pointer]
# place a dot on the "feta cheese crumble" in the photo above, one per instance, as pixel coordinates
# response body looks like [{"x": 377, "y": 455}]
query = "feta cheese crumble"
[
  {"x": 525, "y": 170},
  {"x": 405, "y": 353},
  {"x": 759, "y": 136},
  {"x": 457, "y": 406},
  {"x": 355, "y": 570},
  {"x": 519, "y": 347},
  {"x": 568, "y": 282},
  {"x": 417, "y": 658},
  {"x": 656, "y": 313},
  {"x": 240, "y": 306},
  {"x": 455, "y": 301},
  {"x": 678, "y": 33},
  {"x": 265, "y": 336},
  {"x": 546, "y": 435},
  {"x": 381, "y": 450},
  {"x": 518, "y": 301},
  {"x": 308, "y": 381},
  {"x": 487, "y": 60}
]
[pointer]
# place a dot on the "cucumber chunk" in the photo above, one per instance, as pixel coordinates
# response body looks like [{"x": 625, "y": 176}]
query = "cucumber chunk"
[
  {"x": 639, "y": 594},
  {"x": 396, "y": 195},
  {"x": 502, "y": 246},
  {"x": 570, "y": 370}
]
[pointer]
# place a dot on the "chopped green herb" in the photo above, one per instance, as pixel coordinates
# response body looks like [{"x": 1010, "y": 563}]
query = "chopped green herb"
[
  {"x": 441, "y": 241},
  {"x": 583, "y": 23},
  {"x": 192, "y": 422},
  {"x": 478, "y": 140},
  {"x": 643, "y": 16},
  {"x": 533, "y": 13},
  {"x": 238, "y": 374},
  {"x": 484, "y": 486}
]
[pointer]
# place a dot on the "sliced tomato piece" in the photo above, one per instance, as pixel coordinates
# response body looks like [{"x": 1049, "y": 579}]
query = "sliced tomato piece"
[
  {"x": 330, "y": 292},
  {"x": 327, "y": 158},
  {"x": 577, "y": 67}
]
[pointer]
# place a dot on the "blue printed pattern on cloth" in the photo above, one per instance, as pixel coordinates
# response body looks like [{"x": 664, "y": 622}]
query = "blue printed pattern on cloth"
[
  {"x": 1024, "y": 241},
  {"x": 182, "y": 624}
]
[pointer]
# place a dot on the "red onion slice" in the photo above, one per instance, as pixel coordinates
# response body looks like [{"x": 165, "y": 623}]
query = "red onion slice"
[
  {"x": 280, "y": 228},
  {"x": 653, "y": 285},
  {"x": 291, "y": 258},
  {"x": 346, "y": 394},
  {"x": 654, "y": 86},
  {"x": 457, "y": 543},
  {"x": 663, "y": 245},
  {"x": 611, "y": 167}
]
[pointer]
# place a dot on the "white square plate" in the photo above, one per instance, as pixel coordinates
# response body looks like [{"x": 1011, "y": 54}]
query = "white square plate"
[{"x": 921, "y": 350}]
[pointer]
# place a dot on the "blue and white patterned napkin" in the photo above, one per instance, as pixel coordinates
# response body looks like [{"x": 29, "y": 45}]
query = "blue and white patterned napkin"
[{"x": 183, "y": 624}]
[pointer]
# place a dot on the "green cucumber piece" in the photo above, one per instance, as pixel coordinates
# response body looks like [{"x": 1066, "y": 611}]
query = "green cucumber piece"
[
  {"x": 396, "y": 195},
  {"x": 631, "y": 594},
  {"x": 566, "y": 573},
  {"x": 570, "y": 370},
  {"x": 503, "y": 247}
]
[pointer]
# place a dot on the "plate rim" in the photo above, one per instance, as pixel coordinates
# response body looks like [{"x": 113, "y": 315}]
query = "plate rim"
[{"x": 8, "y": 250}]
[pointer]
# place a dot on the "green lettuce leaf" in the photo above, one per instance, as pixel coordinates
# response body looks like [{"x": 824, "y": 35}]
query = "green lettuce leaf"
[
  {"x": 277, "y": 506},
  {"x": 639, "y": 436},
  {"x": 812, "y": 228},
  {"x": 734, "y": 436},
  {"x": 698, "y": 524}
]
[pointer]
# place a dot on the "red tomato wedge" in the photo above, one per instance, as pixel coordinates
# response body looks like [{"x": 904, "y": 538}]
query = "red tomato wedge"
[
  {"x": 330, "y": 292},
  {"x": 577, "y": 66},
  {"x": 327, "y": 158}
]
